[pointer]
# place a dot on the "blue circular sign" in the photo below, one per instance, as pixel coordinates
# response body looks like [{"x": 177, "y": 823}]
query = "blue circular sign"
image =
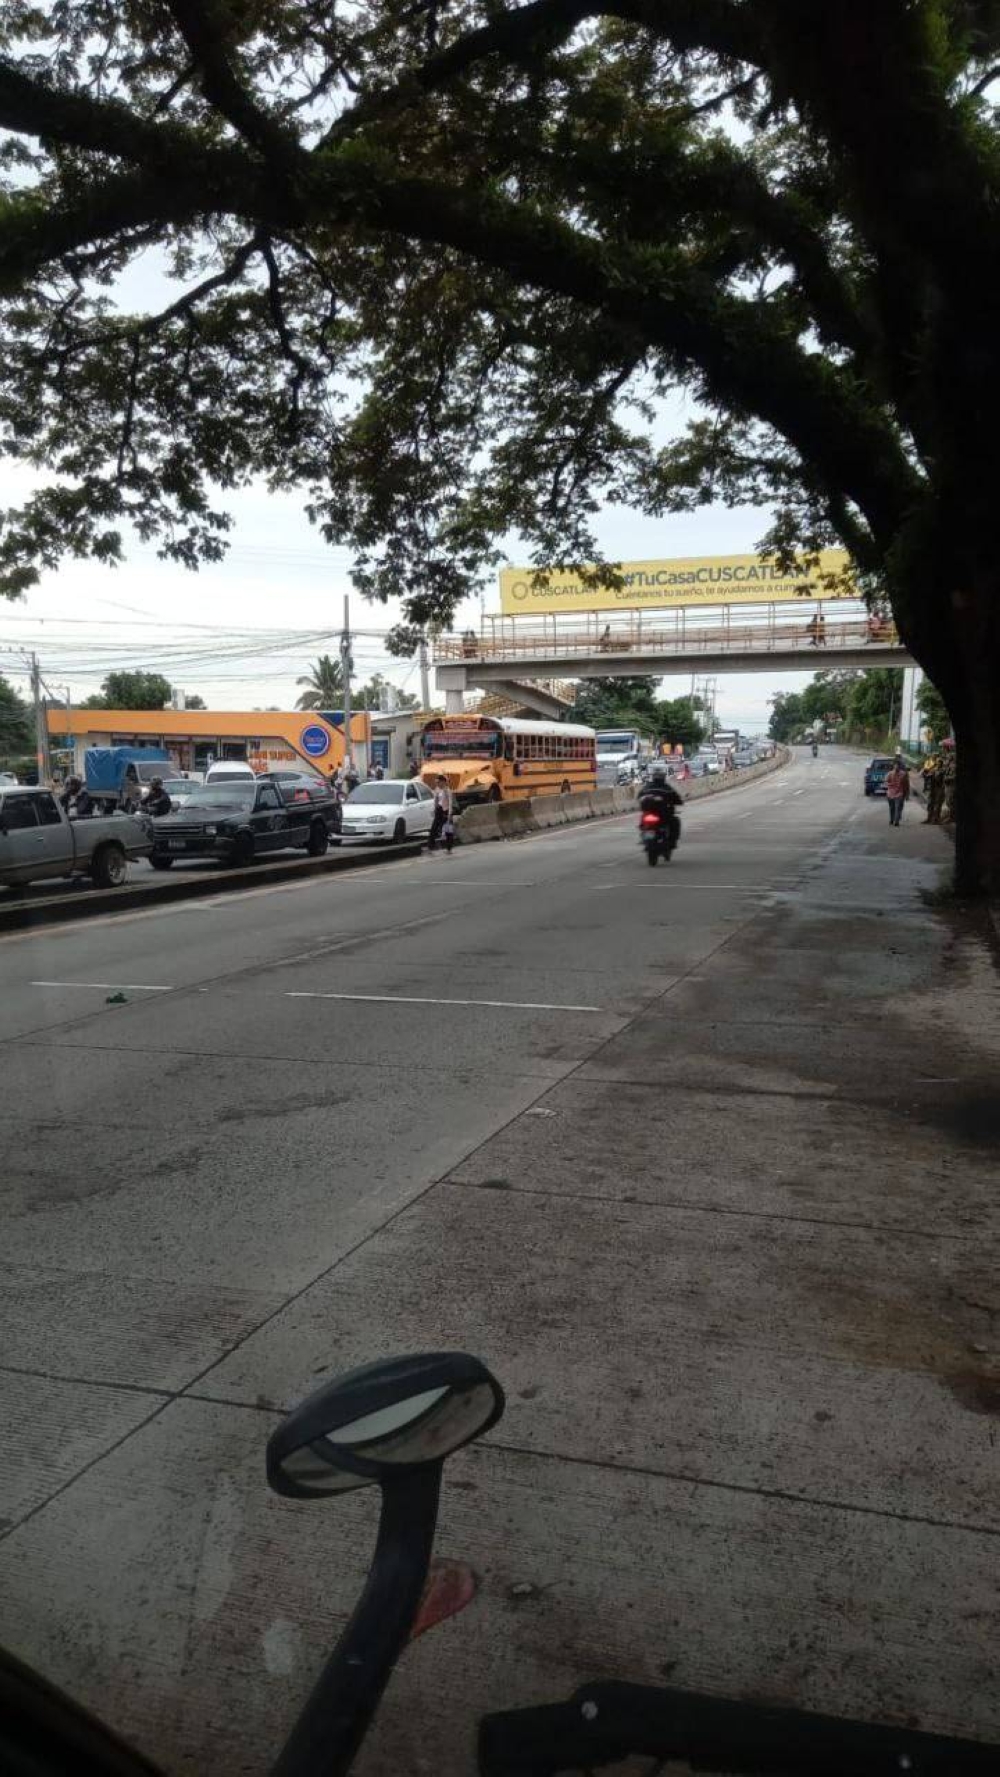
[{"x": 315, "y": 740}]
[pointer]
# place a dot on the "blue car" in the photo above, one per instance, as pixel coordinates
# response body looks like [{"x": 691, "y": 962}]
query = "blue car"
[{"x": 876, "y": 772}]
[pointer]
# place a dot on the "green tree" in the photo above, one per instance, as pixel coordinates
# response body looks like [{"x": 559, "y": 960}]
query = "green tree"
[
  {"x": 875, "y": 703},
  {"x": 324, "y": 685},
  {"x": 433, "y": 265},
  {"x": 677, "y": 722},
  {"x": 379, "y": 694},
  {"x": 131, "y": 691},
  {"x": 195, "y": 702},
  {"x": 787, "y": 715},
  {"x": 17, "y": 725},
  {"x": 932, "y": 707},
  {"x": 617, "y": 703}
]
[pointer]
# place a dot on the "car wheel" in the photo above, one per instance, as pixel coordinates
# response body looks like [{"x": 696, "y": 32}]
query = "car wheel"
[
  {"x": 494, "y": 795},
  {"x": 244, "y": 850},
  {"x": 319, "y": 839},
  {"x": 159, "y": 862},
  {"x": 110, "y": 867},
  {"x": 399, "y": 831}
]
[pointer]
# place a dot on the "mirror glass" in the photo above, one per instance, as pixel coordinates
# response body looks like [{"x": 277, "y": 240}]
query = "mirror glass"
[{"x": 421, "y": 1428}]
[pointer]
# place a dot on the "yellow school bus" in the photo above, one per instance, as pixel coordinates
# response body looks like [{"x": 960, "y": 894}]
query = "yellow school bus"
[{"x": 504, "y": 759}]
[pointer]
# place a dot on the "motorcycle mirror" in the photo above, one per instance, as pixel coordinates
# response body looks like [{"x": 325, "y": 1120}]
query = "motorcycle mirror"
[{"x": 382, "y": 1421}]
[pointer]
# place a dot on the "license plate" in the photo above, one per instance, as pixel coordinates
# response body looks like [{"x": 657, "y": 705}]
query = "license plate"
[{"x": 176, "y": 844}]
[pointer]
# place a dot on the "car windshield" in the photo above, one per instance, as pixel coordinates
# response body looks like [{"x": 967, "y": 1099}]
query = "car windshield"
[
  {"x": 224, "y": 795},
  {"x": 377, "y": 793},
  {"x": 232, "y": 777}
]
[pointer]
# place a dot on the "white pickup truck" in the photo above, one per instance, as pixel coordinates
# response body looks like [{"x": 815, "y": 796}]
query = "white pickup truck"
[{"x": 37, "y": 840}]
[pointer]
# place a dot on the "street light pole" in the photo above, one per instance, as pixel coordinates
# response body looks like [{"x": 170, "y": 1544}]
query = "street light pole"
[
  {"x": 425, "y": 680},
  {"x": 346, "y": 665},
  {"x": 41, "y": 725}
]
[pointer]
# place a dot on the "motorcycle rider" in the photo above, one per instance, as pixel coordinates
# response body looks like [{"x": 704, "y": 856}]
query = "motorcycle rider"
[
  {"x": 660, "y": 797},
  {"x": 158, "y": 803}
]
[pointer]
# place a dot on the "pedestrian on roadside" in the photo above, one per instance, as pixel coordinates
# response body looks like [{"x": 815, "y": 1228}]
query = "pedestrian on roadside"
[
  {"x": 933, "y": 789},
  {"x": 897, "y": 790},
  {"x": 379, "y": 773},
  {"x": 442, "y": 811},
  {"x": 352, "y": 776},
  {"x": 948, "y": 776}
]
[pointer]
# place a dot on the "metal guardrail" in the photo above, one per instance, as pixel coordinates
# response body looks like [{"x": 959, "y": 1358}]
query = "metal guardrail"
[{"x": 757, "y": 630}]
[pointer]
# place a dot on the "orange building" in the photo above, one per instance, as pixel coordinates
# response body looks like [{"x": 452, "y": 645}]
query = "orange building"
[{"x": 196, "y": 739}]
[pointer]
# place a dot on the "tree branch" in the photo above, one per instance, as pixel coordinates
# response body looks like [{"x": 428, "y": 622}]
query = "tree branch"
[
  {"x": 203, "y": 26},
  {"x": 717, "y": 25},
  {"x": 746, "y": 359}
]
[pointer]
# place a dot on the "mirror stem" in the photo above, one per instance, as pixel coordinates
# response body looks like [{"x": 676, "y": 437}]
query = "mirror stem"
[{"x": 346, "y": 1694}]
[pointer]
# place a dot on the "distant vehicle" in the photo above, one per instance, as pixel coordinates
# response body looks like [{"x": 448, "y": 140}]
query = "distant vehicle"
[
  {"x": 507, "y": 758},
  {"x": 231, "y": 771},
  {"x": 621, "y": 747},
  {"x": 178, "y": 789},
  {"x": 38, "y": 841},
  {"x": 236, "y": 823},
  {"x": 8, "y": 780},
  {"x": 876, "y": 772},
  {"x": 706, "y": 762},
  {"x": 392, "y": 808},
  {"x": 744, "y": 757},
  {"x": 300, "y": 777},
  {"x": 118, "y": 776}
]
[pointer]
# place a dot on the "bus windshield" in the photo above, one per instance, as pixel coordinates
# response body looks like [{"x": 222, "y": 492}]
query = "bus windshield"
[{"x": 465, "y": 743}]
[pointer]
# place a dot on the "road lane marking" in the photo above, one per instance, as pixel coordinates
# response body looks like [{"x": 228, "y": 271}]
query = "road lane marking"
[
  {"x": 108, "y": 986},
  {"x": 405, "y": 999}
]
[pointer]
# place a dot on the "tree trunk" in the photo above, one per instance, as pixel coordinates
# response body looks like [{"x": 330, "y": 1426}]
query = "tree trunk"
[{"x": 965, "y": 667}]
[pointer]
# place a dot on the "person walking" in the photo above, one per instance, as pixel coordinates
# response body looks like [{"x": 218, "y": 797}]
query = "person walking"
[
  {"x": 897, "y": 790},
  {"x": 442, "y": 811}
]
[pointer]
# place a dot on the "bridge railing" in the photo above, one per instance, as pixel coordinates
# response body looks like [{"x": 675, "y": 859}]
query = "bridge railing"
[{"x": 760, "y": 629}]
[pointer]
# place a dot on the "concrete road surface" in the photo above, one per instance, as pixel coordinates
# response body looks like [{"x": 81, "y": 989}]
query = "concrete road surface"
[{"x": 701, "y": 1160}]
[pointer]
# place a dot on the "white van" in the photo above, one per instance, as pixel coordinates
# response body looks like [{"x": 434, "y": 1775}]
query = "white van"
[{"x": 231, "y": 771}]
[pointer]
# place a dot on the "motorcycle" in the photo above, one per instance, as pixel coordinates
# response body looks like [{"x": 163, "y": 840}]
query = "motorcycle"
[
  {"x": 393, "y": 1425},
  {"x": 658, "y": 835}
]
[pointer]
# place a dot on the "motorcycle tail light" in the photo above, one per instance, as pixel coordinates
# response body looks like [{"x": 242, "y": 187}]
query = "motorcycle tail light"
[{"x": 650, "y": 820}]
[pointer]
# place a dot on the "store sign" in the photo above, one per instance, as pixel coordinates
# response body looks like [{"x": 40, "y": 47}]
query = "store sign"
[
  {"x": 315, "y": 741},
  {"x": 685, "y": 580}
]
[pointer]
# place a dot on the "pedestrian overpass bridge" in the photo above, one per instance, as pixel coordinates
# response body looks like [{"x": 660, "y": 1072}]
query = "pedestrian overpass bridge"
[{"x": 510, "y": 655}]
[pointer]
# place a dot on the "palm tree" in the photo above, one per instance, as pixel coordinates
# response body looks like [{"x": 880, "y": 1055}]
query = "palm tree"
[{"x": 325, "y": 685}]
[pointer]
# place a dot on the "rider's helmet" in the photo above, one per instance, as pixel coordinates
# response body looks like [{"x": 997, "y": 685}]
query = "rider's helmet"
[{"x": 658, "y": 776}]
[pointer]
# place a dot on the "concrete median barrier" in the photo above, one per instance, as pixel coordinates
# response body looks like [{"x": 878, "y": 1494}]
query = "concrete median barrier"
[
  {"x": 511, "y": 820},
  {"x": 551, "y": 811},
  {"x": 477, "y": 823}
]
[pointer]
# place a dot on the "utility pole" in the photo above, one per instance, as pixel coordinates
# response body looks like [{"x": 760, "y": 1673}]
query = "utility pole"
[
  {"x": 425, "y": 679},
  {"x": 346, "y": 665},
  {"x": 41, "y": 725}
]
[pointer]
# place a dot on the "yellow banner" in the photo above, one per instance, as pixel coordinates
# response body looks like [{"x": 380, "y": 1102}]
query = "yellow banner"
[{"x": 686, "y": 580}]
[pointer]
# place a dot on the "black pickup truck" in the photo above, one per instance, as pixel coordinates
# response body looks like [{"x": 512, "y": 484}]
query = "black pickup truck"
[{"x": 238, "y": 822}]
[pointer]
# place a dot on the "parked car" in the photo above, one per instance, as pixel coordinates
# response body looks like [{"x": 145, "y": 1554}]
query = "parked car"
[
  {"x": 394, "y": 808},
  {"x": 876, "y": 772},
  {"x": 8, "y": 780},
  {"x": 179, "y": 789},
  {"x": 237, "y": 822},
  {"x": 37, "y": 841},
  {"x": 231, "y": 771},
  {"x": 310, "y": 788}
]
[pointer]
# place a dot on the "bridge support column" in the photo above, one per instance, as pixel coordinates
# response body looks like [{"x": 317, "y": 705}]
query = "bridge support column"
[{"x": 453, "y": 681}]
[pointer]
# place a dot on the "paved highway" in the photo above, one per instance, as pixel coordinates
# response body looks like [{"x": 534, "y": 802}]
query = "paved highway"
[{"x": 638, "y": 1137}]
